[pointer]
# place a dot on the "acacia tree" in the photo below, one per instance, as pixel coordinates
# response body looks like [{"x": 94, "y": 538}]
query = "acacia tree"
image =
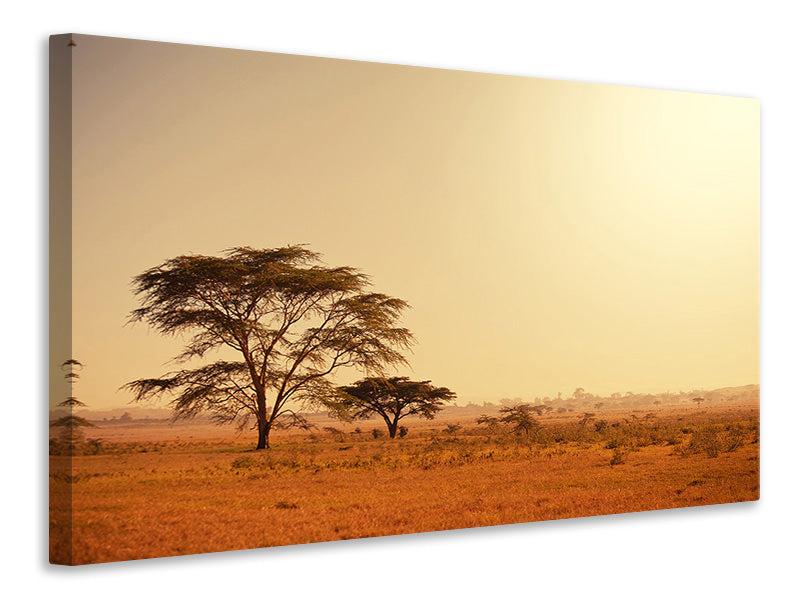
[
  {"x": 71, "y": 433},
  {"x": 71, "y": 424},
  {"x": 392, "y": 398},
  {"x": 286, "y": 320},
  {"x": 518, "y": 418}
]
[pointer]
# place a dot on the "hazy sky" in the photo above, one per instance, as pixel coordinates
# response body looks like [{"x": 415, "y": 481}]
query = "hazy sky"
[{"x": 549, "y": 235}]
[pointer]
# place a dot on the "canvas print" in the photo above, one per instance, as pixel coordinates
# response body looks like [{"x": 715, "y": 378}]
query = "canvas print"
[{"x": 297, "y": 299}]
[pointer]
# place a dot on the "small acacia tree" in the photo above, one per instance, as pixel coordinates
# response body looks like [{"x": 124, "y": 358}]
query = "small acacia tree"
[
  {"x": 71, "y": 425},
  {"x": 71, "y": 432},
  {"x": 518, "y": 418},
  {"x": 286, "y": 320},
  {"x": 392, "y": 398}
]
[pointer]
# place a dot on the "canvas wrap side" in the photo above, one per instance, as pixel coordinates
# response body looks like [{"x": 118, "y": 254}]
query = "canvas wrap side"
[{"x": 60, "y": 279}]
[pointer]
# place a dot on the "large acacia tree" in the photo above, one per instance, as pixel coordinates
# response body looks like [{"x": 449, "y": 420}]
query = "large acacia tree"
[
  {"x": 287, "y": 321},
  {"x": 392, "y": 399}
]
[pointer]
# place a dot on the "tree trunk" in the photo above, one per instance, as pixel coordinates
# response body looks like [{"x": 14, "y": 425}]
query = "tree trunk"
[
  {"x": 261, "y": 403},
  {"x": 393, "y": 428},
  {"x": 263, "y": 436}
]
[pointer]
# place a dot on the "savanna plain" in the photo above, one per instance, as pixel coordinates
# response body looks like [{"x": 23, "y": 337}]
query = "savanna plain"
[{"x": 148, "y": 488}]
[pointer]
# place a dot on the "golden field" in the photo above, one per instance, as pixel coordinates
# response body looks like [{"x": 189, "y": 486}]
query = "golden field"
[{"x": 153, "y": 490}]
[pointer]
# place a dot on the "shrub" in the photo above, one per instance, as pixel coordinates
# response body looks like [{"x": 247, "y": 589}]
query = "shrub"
[
  {"x": 337, "y": 434},
  {"x": 491, "y": 423},
  {"x": 733, "y": 440},
  {"x": 711, "y": 441},
  {"x": 706, "y": 439},
  {"x": 94, "y": 446},
  {"x": 618, "y": 458},
  {"x": 244, "y": 462}
]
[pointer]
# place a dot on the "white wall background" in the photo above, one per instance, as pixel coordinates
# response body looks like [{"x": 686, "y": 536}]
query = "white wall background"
[{"x": 735, "y": 551}]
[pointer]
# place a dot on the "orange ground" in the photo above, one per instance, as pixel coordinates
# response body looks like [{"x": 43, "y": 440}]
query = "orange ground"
[{"x": 207, "y": 494}]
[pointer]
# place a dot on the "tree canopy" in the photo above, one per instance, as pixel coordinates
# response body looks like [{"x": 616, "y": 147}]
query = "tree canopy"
[
  {"x": 278, "y": 322},
  {"x": 393, "y": 399}
]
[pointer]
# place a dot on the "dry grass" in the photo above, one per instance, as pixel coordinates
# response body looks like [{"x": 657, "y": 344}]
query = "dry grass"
[{"x": 180, "y": 497}]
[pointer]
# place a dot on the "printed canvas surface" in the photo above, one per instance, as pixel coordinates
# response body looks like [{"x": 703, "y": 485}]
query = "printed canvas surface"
[{"x": 299, "y": 299}]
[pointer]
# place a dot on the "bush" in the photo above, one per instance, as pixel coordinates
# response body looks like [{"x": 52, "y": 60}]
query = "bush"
[
  {"x": 712, "y": 441},
  {"x": 244, "y": 462},
  {"x": 94, "y": 446},
  {"x": 706, "y": 439},
  {"x": 618, "y": 458},
  {"x": 337, "y": 434}
]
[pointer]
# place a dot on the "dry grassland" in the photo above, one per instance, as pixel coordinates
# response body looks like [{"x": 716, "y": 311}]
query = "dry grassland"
[{"x": 161, "y": 497}]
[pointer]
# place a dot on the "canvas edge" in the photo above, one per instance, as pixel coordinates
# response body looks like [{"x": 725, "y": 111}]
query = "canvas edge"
[{"x": 60, "y": 279}]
